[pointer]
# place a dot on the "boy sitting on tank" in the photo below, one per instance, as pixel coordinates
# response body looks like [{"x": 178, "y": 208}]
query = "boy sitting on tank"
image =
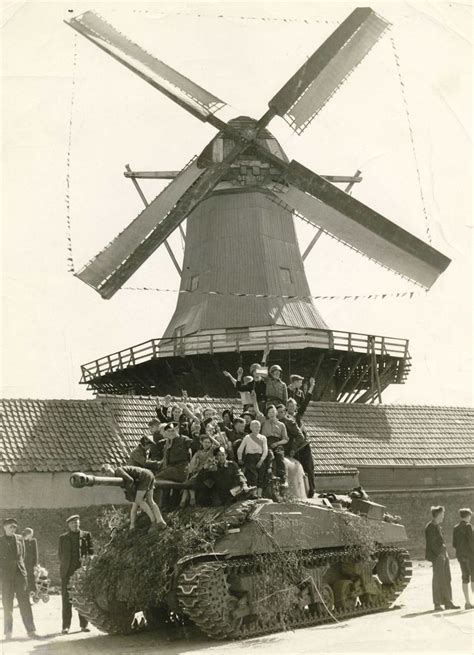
[
  {"x": 203, "y": 458},
  {"x": 140, "y": 455},
  {"x": 139, "y": 484},
  {"x": 252, "y": 454},
  {"x": 226, "y": 479}
]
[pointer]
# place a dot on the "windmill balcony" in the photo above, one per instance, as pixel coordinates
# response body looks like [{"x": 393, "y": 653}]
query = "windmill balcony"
[{"x": 348, "y": 366}]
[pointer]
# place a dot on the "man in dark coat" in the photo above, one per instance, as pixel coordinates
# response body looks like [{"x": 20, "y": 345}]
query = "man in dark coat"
[
  {"x": 14, "y": 580},
  {"x": 74, "y": 545},
  {"x": 436, "y": 554},
  {"x": 463, "y": 542}
]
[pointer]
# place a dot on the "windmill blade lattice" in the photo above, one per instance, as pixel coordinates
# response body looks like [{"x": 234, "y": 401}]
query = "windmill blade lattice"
[
  {"x": 360, "y": 227},
  {"x": 179, "y": 88},
  {"x": 310, "y": 88}
]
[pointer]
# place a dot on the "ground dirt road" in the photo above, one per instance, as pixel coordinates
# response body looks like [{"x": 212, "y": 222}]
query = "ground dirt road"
[{"x": 412, "y": 628}]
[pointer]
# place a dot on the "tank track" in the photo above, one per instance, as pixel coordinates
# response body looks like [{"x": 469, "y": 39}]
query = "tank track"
[{"x": 204, "y": 596}]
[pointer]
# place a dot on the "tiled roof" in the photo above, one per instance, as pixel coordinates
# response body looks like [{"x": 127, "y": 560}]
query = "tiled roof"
[
  {"x": 57, "y": 435},
  {"x": 53, "y": 435}
]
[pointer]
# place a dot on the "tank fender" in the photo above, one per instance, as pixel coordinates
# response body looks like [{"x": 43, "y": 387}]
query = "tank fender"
[{"x": 181, "y": 564}]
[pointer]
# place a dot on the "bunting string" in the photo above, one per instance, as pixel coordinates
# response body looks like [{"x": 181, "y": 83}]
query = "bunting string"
[
  {"x": 371, "y": 296},
  {"x": 412, "y": 137},
  {"x": 70, "y": 257}
]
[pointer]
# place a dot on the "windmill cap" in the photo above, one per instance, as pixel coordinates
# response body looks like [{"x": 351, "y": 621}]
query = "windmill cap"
[
  {"x": 275, "y": 367},
  {"x": 294, "y": 378}
]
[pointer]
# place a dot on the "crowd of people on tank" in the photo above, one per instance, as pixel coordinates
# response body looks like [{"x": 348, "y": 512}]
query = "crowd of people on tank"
[{"x": 194, "y": 455}]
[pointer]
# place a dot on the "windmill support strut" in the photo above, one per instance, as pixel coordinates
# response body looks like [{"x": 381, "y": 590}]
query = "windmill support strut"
[
  {"x": 145, "y": 202},
  {"x": 170, "y": 175}
]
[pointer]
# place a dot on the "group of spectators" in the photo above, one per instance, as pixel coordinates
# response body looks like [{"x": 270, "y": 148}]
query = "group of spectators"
[
  {"x": 197, "y": 456},
  {"x": 21, "y": 573}
]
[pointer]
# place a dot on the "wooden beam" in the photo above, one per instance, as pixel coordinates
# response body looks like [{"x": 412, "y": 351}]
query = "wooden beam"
[
  {"x": 332, "y": 370},
  {"x": 311, "y": 243},
  {"x": 352, "y": 368},
  {"x": 355, "y": 387},
  {"x": 170, "y": 175},
  {"x": 145, "y": 202}
]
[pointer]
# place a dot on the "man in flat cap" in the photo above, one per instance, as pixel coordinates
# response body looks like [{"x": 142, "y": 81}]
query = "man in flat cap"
[
  {"x": 14, "y": 579},
  {"x": 74, "y": 545}
]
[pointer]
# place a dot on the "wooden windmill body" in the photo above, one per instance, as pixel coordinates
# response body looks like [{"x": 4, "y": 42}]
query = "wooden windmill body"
[{"x": 243, "y": 288}]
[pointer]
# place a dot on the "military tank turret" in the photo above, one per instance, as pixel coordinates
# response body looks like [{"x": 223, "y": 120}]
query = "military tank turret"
[{"x": 263, "y": 566}]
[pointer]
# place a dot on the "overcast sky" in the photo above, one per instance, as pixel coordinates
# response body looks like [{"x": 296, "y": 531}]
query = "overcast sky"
[{"x": 243, "y": 53}]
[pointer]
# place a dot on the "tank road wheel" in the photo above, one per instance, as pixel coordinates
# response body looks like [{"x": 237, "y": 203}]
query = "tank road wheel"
[
  {"x": 388, "y": 568},
  {"x": 344, "y": 597},
  {"x": 325, "y": 604}
]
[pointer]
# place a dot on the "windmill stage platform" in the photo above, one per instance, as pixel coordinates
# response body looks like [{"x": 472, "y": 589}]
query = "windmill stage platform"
[{"x": 348, "y": 366}]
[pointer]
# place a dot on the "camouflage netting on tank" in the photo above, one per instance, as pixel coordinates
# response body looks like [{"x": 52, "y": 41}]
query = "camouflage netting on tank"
[{"x": 134, "y": 568}]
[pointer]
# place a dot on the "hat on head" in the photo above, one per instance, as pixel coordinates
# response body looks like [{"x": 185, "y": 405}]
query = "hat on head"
[
  {"x": 294, "y": 378},
  {"x": 10, "y": 521},
  {"x": 275, "y": 367},
  {"x": 253, "y": 367},
  {"x": 171, "y": 424},
  {"x": 73, "y": 517}
]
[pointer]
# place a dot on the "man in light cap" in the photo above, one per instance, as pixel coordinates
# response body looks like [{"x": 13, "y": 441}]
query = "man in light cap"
[
  {"x": 74, "y": 545},
  {"x": 14, "y": 579}
]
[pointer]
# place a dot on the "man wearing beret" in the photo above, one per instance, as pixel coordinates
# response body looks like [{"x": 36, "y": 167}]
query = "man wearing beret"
[
  {"x": 14, "y": 580},
  {"x": 74, "y": 545}
]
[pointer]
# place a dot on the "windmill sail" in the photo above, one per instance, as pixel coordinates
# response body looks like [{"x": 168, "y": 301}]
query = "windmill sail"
[
  {"x": 360, "y": 227},
  {"x": 179, "y": 88},
  {"x": 306, "y": 93},
  {"x": 109, "y": 260}
]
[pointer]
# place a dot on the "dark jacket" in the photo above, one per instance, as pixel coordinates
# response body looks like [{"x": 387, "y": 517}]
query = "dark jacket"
[
  {"x": 69, "y": 560},
  {"x": 259, "y": 386},
  {"x": 139, "y": 457},
  {"x": 12, "y": 557},
  {"x": 297, "y": 439},
  {"x": 223, "y": 479},
  {"x": 434, "y": 541},
  {"x": 31, "y": 554},
  {"x": 463, "y": 540}
]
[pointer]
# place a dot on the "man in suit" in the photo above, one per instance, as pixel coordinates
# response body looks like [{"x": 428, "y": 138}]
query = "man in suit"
[
  {"x": 14, "y": 580},
  {"x": 463, "y": 542},
  {"x": 437, "y": 554},
  {"x": 74, "y": 545}
]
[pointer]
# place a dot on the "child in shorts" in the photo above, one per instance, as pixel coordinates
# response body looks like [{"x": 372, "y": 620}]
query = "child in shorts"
[{"x": 138, "y": 483}]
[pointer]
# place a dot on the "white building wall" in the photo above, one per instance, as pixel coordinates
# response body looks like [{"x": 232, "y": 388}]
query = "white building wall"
[{"x": 52, "y": 490}]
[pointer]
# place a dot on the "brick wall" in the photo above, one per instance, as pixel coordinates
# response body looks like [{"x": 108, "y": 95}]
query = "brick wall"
[{"x": 414, "y": 508}]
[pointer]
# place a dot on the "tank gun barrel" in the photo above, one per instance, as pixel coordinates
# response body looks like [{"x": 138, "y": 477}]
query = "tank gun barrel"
[{"x": 80, "y": 480}]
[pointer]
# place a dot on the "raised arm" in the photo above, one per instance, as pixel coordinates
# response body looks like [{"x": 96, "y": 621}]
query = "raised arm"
[
  {"x": 230, "y": 377},
  {"x": 306, "y": 400},
  {"x": 258, "y": 413},
  {"x": 241, "y": 449},
  {"x": 264, "y": 452}
]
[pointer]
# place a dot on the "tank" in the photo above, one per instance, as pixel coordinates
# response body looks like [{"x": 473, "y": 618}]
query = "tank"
[{"x": 250, "y": 568}]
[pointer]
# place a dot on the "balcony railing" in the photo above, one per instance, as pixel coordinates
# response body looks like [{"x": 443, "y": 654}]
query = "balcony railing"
[{"x": 272, "y": 338}]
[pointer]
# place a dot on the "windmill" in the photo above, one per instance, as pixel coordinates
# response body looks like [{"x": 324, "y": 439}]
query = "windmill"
[{"x": 239, "y": 196}]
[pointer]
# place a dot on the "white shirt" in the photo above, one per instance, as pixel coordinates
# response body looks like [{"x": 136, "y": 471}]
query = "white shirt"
[{"x": 253, "y": 445}]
